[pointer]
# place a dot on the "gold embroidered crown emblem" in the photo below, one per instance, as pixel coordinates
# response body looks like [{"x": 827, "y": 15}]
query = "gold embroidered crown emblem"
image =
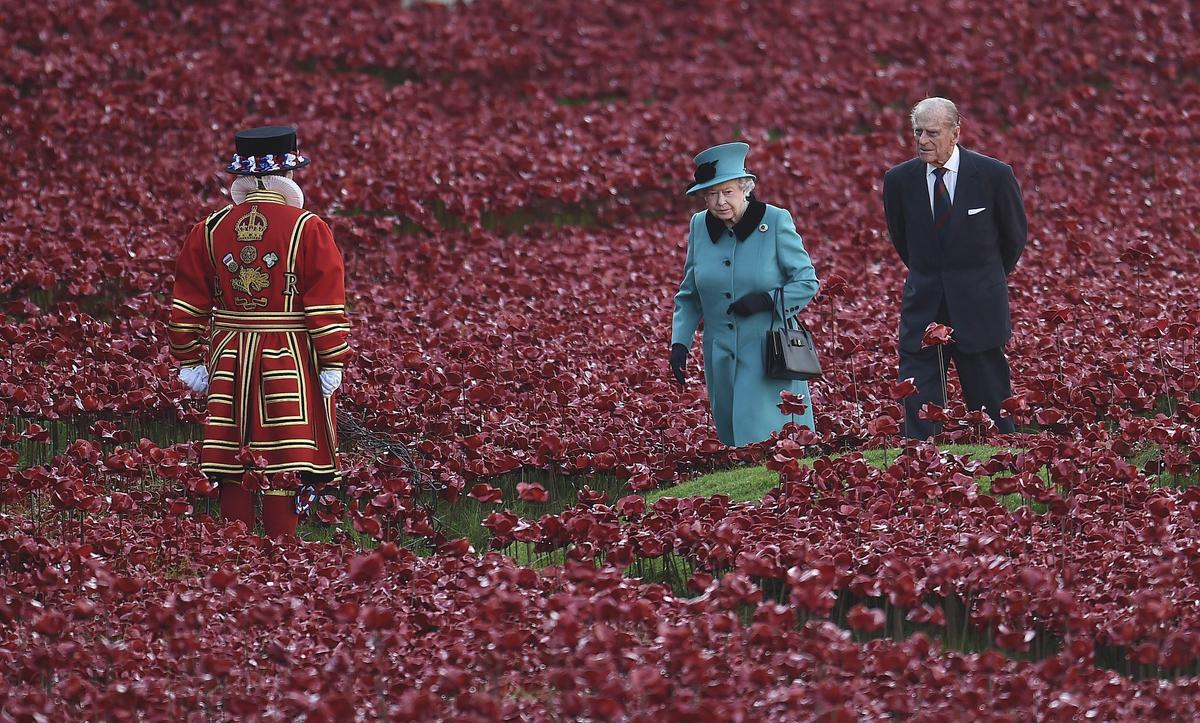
[{"x": 251, "y": 226}]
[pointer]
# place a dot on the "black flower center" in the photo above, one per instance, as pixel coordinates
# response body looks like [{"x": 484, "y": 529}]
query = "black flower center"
[{"x": 706, "y": 171}]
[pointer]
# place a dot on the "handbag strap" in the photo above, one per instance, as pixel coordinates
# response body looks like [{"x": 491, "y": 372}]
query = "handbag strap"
[
  {"x": 789, "y": 322},
  {"x": 778, "y": 297}
]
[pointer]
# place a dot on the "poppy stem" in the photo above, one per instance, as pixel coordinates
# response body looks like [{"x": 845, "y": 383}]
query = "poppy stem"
[
  {"x": 942, "y": 372},
  {"x": 854, "y": 386},
  {"x": 1162, "y": 364}
]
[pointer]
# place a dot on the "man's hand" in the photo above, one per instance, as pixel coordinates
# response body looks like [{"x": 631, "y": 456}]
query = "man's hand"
[
  {"x": 331, "y": 379},
  {"x": 196, "y": 378}
]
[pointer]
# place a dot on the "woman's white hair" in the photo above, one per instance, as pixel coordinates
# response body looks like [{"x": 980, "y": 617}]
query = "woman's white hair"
[{"x": 747, "y": 185}]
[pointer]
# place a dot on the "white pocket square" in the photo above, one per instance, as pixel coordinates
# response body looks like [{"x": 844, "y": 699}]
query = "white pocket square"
[{"x": 973, "y": 211}]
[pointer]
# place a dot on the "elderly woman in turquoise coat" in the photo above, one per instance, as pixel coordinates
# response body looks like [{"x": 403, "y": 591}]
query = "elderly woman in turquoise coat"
[{"x": 739, "y": 252}]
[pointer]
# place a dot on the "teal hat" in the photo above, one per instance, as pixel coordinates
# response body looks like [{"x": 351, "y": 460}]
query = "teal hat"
[{"x": 719, "y": 164}]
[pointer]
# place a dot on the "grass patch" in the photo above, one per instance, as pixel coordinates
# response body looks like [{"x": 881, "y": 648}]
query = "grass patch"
[
  {"x": 576, "y": 101},
  {"x": 160, "y": 427},
  {"x": 745, "y": 484},
  {"x": 741, "y": 484},
  {"x": 313, "y": 530},
  {"x": 556, "y": 214}
]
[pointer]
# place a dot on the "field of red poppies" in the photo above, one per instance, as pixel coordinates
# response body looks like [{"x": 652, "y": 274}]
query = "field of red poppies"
[{"x": 505, "y": 180}]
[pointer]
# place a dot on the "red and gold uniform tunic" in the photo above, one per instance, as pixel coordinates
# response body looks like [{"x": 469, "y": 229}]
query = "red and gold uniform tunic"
[{"x": 263, "y": 283}]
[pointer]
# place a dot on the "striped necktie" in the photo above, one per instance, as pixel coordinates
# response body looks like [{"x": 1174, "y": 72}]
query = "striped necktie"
[{"x": 941, "y": 200}]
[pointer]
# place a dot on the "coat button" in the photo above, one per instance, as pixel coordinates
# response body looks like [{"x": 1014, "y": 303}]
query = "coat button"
[
  {"x": 728, "y": 262},
  {"x": 730, "y": 325},
  {"x": 728, "y": 295}
]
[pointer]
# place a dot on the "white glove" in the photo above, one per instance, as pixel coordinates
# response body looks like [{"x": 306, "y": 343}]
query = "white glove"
[
  {"x": 331, "y": 379},
  {"x": 196, "y": 378}
]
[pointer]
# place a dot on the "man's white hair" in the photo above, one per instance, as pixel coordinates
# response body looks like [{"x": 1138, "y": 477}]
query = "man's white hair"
[{"x": 943, "y": 107}]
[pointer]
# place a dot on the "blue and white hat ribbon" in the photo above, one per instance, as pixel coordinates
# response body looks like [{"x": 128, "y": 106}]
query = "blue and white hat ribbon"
[
  {"x": 268, "y": 163},
  {"x": 306, "y": 495}
]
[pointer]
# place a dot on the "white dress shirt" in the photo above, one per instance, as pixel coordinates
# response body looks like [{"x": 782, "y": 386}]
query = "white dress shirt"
[{"x": 951, "y": 177}]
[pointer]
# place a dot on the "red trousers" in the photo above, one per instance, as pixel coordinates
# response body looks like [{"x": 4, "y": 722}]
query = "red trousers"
[{"x": 278, "y": 509}]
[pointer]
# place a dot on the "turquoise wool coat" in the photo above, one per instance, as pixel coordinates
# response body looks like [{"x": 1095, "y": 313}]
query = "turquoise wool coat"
[{"x": 761, "y": 252}]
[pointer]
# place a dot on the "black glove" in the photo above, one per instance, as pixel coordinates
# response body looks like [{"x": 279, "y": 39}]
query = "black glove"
[
  {"x": 752, "y": 304},
  {"x": 679, "y": 354}
]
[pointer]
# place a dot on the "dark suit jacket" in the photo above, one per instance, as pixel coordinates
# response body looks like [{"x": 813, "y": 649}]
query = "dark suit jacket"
[{"x": 968, "y": 271}]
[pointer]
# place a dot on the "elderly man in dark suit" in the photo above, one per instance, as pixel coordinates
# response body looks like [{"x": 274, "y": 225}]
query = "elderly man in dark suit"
[{"x": 957, "y": 220}]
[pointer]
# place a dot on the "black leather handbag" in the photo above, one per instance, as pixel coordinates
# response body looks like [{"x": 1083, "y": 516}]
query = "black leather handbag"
[{"x": 791, "y": 353}]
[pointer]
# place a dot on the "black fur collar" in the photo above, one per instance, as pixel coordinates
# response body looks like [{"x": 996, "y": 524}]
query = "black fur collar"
[{"x": 747, "y": 225}]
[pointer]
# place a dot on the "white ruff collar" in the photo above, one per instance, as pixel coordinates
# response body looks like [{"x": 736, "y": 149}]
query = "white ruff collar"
[{"x": 289, "y": 189}]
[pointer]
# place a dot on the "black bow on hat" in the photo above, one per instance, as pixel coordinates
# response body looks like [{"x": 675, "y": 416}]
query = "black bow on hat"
[{"x": 705, "y": 172}]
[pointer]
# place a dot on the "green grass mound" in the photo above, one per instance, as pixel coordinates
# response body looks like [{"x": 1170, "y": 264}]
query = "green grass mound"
[{"x": 745, "y": 484}]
